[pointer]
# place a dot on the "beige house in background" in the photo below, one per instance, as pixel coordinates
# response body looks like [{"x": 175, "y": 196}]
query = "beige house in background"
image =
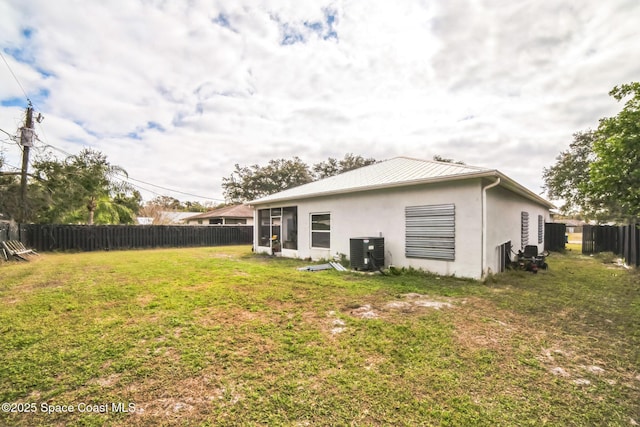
[
  {"x": 446, "y": 218},
  {"x": 228, "y": 215}
]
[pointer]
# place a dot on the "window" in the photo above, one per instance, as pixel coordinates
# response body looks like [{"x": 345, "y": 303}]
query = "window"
[
  {"x": 199, "y": 221},
  {"x": 540, "y": 229},
  {"x": 235, "y": 221},
  {"x": 524, "y": 229},
  {"x": 215, "y": 221},
  {"x": 430, "y": 232},
  {"x": 321, "y": 230}
]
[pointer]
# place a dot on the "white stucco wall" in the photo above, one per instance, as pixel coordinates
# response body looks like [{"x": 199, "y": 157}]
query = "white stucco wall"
[
  {"x": 504, "y": 220},
  {"x": 382, "y": 213}
]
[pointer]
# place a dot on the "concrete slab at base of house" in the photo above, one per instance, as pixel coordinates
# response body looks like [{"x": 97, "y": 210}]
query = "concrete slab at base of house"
[{"x": 445, "y": 218}]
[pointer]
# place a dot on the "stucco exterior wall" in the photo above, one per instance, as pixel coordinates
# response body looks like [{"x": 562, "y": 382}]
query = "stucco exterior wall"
[
  {"x": 504, "y": 210},
  {"x": 382, "y": 213}
]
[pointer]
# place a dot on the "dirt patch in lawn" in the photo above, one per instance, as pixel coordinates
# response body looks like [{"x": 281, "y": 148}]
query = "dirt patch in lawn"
[
  {"x": 411, "y": 303},
  {"x": 405, "y": 303},
  {"x": 181, "y": 398},
  {"x": 479, "y": 325}
]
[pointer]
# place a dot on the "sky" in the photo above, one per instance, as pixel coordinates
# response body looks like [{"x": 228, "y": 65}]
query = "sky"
[{"x": 177, "y": 92}]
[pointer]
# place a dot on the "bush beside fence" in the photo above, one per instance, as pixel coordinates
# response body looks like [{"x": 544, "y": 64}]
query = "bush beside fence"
[{"x": 57, "y": 237}]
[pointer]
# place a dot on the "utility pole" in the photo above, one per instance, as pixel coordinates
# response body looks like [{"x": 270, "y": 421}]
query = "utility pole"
[{"x": 26, "y": 140}]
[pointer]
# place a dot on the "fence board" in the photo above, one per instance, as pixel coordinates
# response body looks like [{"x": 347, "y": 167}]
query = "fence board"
[{"x": 57, "y": 237}]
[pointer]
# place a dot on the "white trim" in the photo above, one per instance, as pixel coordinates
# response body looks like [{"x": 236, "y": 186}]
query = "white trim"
[{"x": 311, "y": 230}]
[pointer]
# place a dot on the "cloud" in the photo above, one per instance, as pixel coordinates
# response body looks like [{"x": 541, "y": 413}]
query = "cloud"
[{"x": 178, "y": 92}]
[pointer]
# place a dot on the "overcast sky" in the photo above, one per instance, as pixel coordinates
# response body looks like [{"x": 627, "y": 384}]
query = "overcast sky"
[{"x": 178, "y": 91}]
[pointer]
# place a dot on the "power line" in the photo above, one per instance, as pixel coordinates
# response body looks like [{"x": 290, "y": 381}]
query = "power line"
[
  {"x": 15, "y": 77},
  {"x": 10, "y": 135},
  {"x": 126, "y": 177},
  {"x": 68, "y": 154},
  {"x": 174, "y": 191}
]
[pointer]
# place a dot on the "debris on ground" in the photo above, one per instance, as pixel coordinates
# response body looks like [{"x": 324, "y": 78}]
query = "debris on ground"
[
  {"x": 321, "y": 267},
  {"x": 364, "y": 312}
]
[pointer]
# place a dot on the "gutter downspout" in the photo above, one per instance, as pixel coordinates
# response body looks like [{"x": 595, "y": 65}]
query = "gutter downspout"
[{"x": 484, "y": 224}]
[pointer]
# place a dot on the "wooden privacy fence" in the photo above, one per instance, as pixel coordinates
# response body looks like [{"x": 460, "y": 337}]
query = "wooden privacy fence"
[
  {"x": 621, "y": 240},
  {"x": 53, "y": 237}
]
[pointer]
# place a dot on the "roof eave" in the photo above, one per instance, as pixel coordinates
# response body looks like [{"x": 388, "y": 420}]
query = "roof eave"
[{"x": 511, "y": 185}]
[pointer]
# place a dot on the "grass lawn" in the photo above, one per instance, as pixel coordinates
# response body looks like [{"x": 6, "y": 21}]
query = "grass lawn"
[{"x": 218, "y": 336}]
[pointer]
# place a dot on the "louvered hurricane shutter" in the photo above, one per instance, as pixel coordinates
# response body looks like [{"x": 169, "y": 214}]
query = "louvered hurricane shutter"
[
  {"x": 540, "y": 229},
  {"x": 430, "y": 232},
  {"x": 524, "y": 229}
]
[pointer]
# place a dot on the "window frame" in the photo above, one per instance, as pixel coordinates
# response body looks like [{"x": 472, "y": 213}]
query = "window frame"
[{"x": 313, "y": 231}]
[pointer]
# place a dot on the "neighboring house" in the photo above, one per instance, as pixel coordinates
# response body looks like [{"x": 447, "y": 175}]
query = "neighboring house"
[
  {"x": 166, "y": 218},
  {"x": 228, "y": 215},
  {"x": 446, "y": 218}
]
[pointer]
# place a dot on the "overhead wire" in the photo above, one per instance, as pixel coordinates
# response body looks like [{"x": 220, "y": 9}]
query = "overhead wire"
[
  {"x": 68, "y": 154},
  {"x": 129, "y": 178},
  {"x": 11, "y": 136},
  {"x": 173, "y": 190},
  {"x": 15, "y": 77}
]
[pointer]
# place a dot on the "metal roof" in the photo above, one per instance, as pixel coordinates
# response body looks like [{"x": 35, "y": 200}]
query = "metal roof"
[{"x": 396, "y": 172}]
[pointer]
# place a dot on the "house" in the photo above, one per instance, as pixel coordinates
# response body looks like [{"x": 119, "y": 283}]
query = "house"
[
  {"x": 228, "y": 215},
  {"x": 446, "y": 218},
  {"x": 165, "y": 218}
]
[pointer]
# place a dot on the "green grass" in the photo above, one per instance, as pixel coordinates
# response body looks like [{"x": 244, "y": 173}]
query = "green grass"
[{"x": 218, "y": 336}]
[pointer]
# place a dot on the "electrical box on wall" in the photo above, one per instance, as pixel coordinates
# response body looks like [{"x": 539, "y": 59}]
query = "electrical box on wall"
[{"x": 366, "y": 253}]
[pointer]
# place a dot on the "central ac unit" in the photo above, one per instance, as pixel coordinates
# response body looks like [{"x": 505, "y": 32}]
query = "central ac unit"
[{"x": 367, "y": 253}]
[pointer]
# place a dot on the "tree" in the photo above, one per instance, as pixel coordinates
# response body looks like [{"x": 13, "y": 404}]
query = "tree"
[
  {"x": 615, "y": 172},
  {"x": 600, "y": 173},
  {"x": 249, "y": 183},
  {"x": 9, "y": 193},
  {"x": 439, "y": 158},
  {"x": 11, "y": 203},
  {"x": 85, "y": 188},
  {"x": 332, "y": 166},
  {"x": 198, "y": 207},
  {"x": 569, "y": 178},
  {"x": 166, "y": 203}
]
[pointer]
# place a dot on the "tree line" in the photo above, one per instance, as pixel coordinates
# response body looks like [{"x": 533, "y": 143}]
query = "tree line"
[
  {"x": 252, "y": 182},
  {"x": 84, "y": 188}
]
